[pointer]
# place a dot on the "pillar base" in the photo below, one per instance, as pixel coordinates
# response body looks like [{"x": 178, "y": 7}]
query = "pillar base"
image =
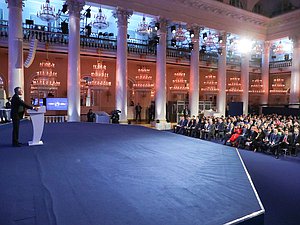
[
  {"x": 162, "y": 125},
  {"x": 123, "y": 121}
]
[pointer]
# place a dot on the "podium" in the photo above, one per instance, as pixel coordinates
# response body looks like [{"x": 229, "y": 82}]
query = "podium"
[{"x": 37, "y": 119}]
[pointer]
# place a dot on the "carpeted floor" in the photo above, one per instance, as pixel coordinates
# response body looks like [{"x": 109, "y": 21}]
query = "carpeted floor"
[{"x": 95, "y": 174}]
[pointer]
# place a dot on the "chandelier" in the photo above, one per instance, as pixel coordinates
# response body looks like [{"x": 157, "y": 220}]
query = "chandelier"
[
  {"x": 179, "y": 83},
  {"x": 278, "y": 49},
  {"x": 143, "y": 27},
  {"x": 257, "y": 48},
  {"x": 100, "y": 21},
  {"x": 99, "y": 77},
  {"x": 47, "y": 12},
  {"x": 256, "y": 86},
  {"x": 278, "y": 86},
  {"x": 234, "y": 85},
  {"x": 180, "y": 34},
  {"x": 143, "y": 80},
  {"x": 210, "y": 84},
  {"x": 46, "y": 78}
]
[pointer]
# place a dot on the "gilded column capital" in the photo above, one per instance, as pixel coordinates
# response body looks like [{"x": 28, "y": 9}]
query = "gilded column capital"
[
  {"x": 15, "y": 3},
  {"x": 163, "y": 25},
  {"x": 122, "y": 16},
  {"x": 75, "y": 7}
]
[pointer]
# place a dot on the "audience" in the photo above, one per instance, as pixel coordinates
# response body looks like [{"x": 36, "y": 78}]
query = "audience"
[{"x": 271, "y": 134}]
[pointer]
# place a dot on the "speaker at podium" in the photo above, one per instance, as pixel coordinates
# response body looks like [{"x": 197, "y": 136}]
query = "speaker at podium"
[{"x": 37, "y": 119}]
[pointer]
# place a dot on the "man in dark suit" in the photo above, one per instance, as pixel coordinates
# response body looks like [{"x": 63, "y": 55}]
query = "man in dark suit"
[
  {"x": 295, "y": 142},
  {"x": 17, "y": 111}
]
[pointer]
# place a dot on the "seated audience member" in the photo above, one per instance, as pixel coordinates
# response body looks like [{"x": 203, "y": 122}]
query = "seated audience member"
[
  {"x": 204, "y": 130},
  {"x": 257, "y": 142},
  {"x": 210, "y": 130},
  {"x": 90, "y": 116},
  {"x": 273, "y": 144},
  {"x": 236, "y": 133},
  {"x": 179, "y": 124},
  {"x": 228, "y": 131},
  {"x": 182, "y": 129},
  {"x": 220, "y": 129},
  {"x": 295, "y": 142},
  {"x": 196, "y": 131},
  {"x": 246, "y": 131},
  {"x": 286, "y": 140},
  {"x": 191, "y": 125}
]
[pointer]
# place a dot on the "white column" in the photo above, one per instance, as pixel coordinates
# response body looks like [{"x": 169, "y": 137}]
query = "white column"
[
  {"x": 88, "y": 98},
  {"x": 75, "y": 6},
  {"x": 122, "y": 17},
  {"x": 221, "y": 97},
  {"x": 194, "y": 74},
  {"x": 160, "y": 82},
  {"x": 15, "y": 46},
  {"x": 265, "y": 72},
  {"x": 295, "y": 73},
  {"x": 245, "y": 81}
]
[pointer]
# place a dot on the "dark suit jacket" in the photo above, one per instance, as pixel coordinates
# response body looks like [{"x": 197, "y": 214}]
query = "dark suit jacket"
[{"x": 18, "y": 107}]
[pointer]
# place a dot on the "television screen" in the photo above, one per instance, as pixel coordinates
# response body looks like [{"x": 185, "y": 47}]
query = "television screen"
[{"x": 57, "y": 103}]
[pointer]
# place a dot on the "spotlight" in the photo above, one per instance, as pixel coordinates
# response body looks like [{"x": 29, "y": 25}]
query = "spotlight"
[
  {"x": 64, "y": 27},
  {"x": 88, "y": 30},
  {"x": 156, "y": 26},
  {"x": 156, "y": 39},
  {"x": 88, "y": 13},
  {"x": 173, "y": 29},
  {"x": 203, "y": 49},
  {"x": 192, "y": 34},
  {"x": 64, "y": 8},
  {"x": 191, "y": 46},
  {"x": 220, "y": 39},
  {"x": 173, "y": 42},
  {"x": 204, "y": 36},
  {"x": 220, "y": 51},
  {"x": 29, "y": 22}
]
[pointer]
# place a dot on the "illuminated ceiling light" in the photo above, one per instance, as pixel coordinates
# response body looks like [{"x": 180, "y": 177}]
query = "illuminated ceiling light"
[
  {"x": 244, "y": 46},
  {"x": 47, "y": 12},
  {"x": 143, "y": 27},
  {"x": 100, "y": 21}
]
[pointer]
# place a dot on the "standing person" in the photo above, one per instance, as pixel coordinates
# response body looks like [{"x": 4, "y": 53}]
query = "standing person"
[
  {"x": 17, "y": 111},
  {"x": 138, "y": 110},
  {"x": 90, "y": 116}
]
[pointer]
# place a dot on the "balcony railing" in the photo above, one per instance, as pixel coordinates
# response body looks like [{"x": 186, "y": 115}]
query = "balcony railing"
[
  {"x": 281, "y": 64},
  {"x": 109, "y": 43}
]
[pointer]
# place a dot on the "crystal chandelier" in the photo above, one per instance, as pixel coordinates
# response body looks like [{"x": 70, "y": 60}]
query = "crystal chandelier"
[
  {"x": 278, "y": 49},
  {"x": 210, "y": 84},
  {"x": 257, "y": 48},
  {"x": 179, "y": 83},
  {"x": 99, "y": 77},
  {"x": 100, "y": 21},
  {"x": 278, "y": 86},
  {"x": 143, "y": 80},
  {"x": 234, "y": 85},
  {"x": 256, "y": 86},
  {"x": 143, "y": 27},
  {"x": 46, "y": 78},
  {"x": 47, "y": 12},
  {"x": 180, "y": 34}
]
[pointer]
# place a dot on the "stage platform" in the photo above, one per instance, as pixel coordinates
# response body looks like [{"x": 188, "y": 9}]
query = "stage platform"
[{"x": 107, "y": 174}]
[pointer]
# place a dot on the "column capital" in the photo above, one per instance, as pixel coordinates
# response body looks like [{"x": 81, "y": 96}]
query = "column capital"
[
  {"x": 296, "y": 41},
  {"x": 163, "y": 24},
  {"x": 266, "y": 47},
  {"x": 196, "y": 28},
  {"x": 122, "y": 15},
  {"x": 15, "y": 3},
  {"x": 75, "y": 7}
]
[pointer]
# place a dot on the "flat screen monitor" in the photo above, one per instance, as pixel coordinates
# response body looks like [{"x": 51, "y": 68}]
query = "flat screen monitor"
[
  {"x": 38, "y": 102},
  {"x": 57, "y": 103}
]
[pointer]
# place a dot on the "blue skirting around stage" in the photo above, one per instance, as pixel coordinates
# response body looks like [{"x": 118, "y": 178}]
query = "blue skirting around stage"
[{"x": 101, "y": 174}]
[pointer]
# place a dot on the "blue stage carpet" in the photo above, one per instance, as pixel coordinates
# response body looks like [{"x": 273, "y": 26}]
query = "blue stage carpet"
[{"x": 92, "y": 174}]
